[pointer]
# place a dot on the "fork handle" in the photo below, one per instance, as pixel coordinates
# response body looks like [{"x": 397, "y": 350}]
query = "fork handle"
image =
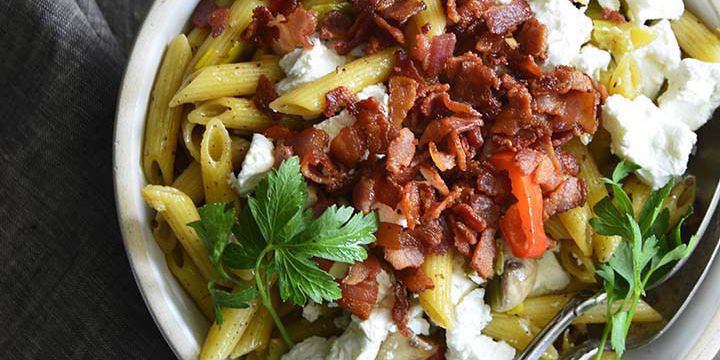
[{"x": 579, "y": 304}]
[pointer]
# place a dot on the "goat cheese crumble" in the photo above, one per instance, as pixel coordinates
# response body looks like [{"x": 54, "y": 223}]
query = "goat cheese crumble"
[
  {"x": 658, "y": 59},
  {"x": 648, "y": 136},
  {"x": 641, "y": 11},
  {"x": 693, "y": 93},
  {"x": 302, "y": 66},
  {"x": 567, "y": 29},
  {"x": 551, "y": 277},
  {"x": 258, "y": 161},
  {"x": 592, "y": 61}
]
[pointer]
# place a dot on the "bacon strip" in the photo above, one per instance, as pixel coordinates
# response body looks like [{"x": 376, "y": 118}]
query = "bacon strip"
[{"x": 360, "y": 297}]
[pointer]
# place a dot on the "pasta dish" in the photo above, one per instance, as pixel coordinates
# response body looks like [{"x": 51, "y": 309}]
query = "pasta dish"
[{"x": 425, "y": 179}]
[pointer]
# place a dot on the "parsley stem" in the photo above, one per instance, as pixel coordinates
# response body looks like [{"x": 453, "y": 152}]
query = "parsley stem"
[{"x": 265, "y": 297}]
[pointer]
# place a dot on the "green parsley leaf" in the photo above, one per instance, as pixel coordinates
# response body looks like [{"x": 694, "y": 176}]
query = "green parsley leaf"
[
  {"x": 300, "y": 278},
  {"x": 214, "y": 228},
  {"x": 623, "y": 170},
  {"x": 248, "y": 244},
  {"x": 237, "y": 299},
  {"x": 652, "y": 207}
]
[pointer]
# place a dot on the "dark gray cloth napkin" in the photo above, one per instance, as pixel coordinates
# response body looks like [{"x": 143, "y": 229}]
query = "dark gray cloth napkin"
[{"x": 66, "y": 290}]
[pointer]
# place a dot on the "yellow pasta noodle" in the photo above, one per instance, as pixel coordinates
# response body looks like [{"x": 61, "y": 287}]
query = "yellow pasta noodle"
[
  {"x": 515, "y": 331},
  {"x": 309, "y": 99},
  {"x": 228, "y": 46},
  {"x": 696, "y": 39},
  {"x": 192, "y": 136},
  {"x": 216, "y": 163},
  {"x": 227, "y": 80},
  {"x": 235, "y": 113},
  {"x": 323, "y": 7},
  {"x": 681, "y": 198},
  {"x": 179, "y": 210},
  {"x": 577, "y": 223},
  {"x": 163, "y": 122},
  {"x": 576, "y": 263},
  {"x": 238, "y": 150},
  {"x": 257, "y": 334},
  {"x": 191, "y": 280},
  {"x": 163, "y": 234},
  {"x": 556, "y": 229},
  {"x": 196, "y": 37},
  {"x": 190, "y": 183},
  {"x": 638, "y": 192},
  {"x": 221, "y": 339},
  {"x": 437, "y": 302},
  {"x": 433, "y": 16}
]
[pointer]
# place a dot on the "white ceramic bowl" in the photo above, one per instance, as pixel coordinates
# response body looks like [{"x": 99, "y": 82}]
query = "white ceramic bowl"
[{"x": 696, "y": 335}]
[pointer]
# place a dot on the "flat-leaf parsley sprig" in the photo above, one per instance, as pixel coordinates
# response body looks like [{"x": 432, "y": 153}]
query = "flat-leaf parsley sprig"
[
  {"x": 649, "y": 244},
  {"x": 277, "y": 237}
]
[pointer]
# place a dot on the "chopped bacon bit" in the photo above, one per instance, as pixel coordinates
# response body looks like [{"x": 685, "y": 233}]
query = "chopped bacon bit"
[
  {"x": 403, "y": 92},
  {"x": 201, "y": 15},
  {"x": 281, "y": 153},
  {"x": 458, "y": 150},
  {"x": 570, "y": 194},
  {"x": 410, "y": 254},
  {"x": 442, "y": 160},
  {"x": 473, "y": 81},
  {"x": 348, "y": 147},
  {"x": 359, "y": 299},
  {"x": 356, "y": 275},
  {"x": 441, "y": 48},
  {"x": 568, "y": 163},
  {"x": 527, "y": 160},
  {"x": 415, "y": 280},
  {"x": 410, "y": 204},
  {"x": 402, "y": 10},
  {"x": 324, "y": 264},
  {"x": 431, "y": 176},
  {"x": 451, "y": 10},
  {"x": 265, "y": 94},
  {"x": 492, "y": 184},
  {"x": 400, "y": 309},
  {"x": 464, "y": 238},
  {"x": 279, "y": 133},
  {"x": 613, "y": 15},
  {"x": 218, "y": 21},
  {"x": 296, "y": 30},
  {"x": 532, "y": 39},
  {"x": 284, "y": 7},
  {"x": 260, "y": 31},
  {"x": 420, "y": 50},
  {"x": 335, "y": 25},
  {"x": 503, "y": 19},
  {"x": 391, "y": 30},
  {"x": 378, "y": 130},
  {"x": 438, "y": 207},
  {"x": 484, "y": 254},
  {"x": 401, "y": 151},
  {"x": 364, "y": 194},
  {"x": 547, "y": 176},
  {"x": 310, "y": 140},
  {"x": 388, "y": 236},
  {"x": 338, "y": 98}
]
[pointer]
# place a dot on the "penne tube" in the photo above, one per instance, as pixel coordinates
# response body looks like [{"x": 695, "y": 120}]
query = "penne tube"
[
  {"x": 540, "y": 310},
  {"x": 577, "y": 223},
  {"x": 638, "y": 192},
  {"x": 256, "y": 336},
  {"x": 235, "y": 113},
  {"x": 556, "y": 229},
  {"x": 163, "y": 234},
  {"x": 228, "y": 46},
  {"x": 238, "y": 149},
  {"x": 515, "y": 331},
  {"x": 163, "y": 122},
  {"x": 190, "y": 182},
  {"x": 681, "y": 199},
  {"x": 192, "y": 137},
  {"x": 309, "y": 99},
  {"x": 196, "y": 37},
  {"x": 189, "y": 277},
  {"x": 216, "y": 163},
  {"x": 604, "y": 246},
  {"x": 696, "y": 39},
  {"x": 221, "y": 339},
  {"x": 323, "y": 7},
  {"x": 576, "y": 263},
  {"x": 179, "y": 210},
  {"x": 433, "y": 18},
  {"x": 217, "y": 81},
  {"x": 437, "y": 302},
  {"x": 276, "y": 349}
]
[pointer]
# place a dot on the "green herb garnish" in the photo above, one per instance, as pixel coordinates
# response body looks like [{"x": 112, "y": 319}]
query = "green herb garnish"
[
  {"x": 277, "y": 237},
  {"x": 648, "y": 245}
]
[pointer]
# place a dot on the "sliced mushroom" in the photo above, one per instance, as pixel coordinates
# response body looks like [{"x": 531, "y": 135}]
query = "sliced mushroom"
[{"x": 514, "y": 285}]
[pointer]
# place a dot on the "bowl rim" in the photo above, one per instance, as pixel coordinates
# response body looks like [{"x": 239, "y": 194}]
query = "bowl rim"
[{"x": 171, "y": 308}]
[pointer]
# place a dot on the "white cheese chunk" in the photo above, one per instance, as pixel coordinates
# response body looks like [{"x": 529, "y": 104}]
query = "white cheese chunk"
[
  {"x": 379, "y": 92},
  {"x": 389, "y": 215},
  {"x": 567, "y": 29},
  {"x": 312, "y": 348},
  {"x": 258, "y": 161},
  {"x": 610, "y": 4},
  {"x": 302, "y": 66},
  {"x": 658, "y": 59},
  {"x": 312, "y": 311},
  {"x": 465, "y": 340},
  {"x": 416, "y": 320},
  {"x": 592, "y": 61},
  {"x": 647, "y": 136},
  {"x": 693, "y": 93},
  {"x": 551, "y": 277},
  {"x": 641, "y": 11},
  {"x": 461, "y": 282}
]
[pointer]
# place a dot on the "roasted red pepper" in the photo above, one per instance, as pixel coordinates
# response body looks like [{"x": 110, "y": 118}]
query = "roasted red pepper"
[{"x": 522, "y": 225}]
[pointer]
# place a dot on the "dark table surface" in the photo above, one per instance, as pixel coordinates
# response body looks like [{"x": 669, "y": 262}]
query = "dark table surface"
[{"x": 66, "y": 290}]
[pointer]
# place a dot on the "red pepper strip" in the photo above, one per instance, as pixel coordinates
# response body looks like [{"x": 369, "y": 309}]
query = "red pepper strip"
[{"x": 522, "y": 225}]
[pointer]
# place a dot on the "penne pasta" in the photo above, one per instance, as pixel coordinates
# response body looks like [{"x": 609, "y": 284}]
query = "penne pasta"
[
  {"x": 603, "y": 246},
  {"x": 163, "y": 234},
  {"x": 163, "y": 122},
  {"x": 190, "y": 182},
  {"x": 238, "y": 149},
  {"x": 556, "y": 229},
  {"x": 196, "y": 37},
  {"x": 221, "y": 339},
  {"x": 189, "y": 277},
  {"x": 539, "y": 310},
  {"x": 433, "y": 18},
  {"x": 192, "y": 137},
  {"x": 515, "y": 331},
  {"x": 681, "y": 199},
  {"x": 256, "y": 336},
  {"x": 216, "y": 163},
  {"x": 217, "y": 81},
  {"x": 576, "y": 263},
  {"x": 638, "y": 192},
  {"x": 235, "y": 113},
  {"x": 228, "y": 46},
  {"x": 437, "y": 302},
  {"x": 577, "y": 223},
  {"x": 179, "y": 210},
  {"x": 276, "y": 349},
  {"x": 323, "y": 7},
  {"x": 309, "y": 99},
  {"x": 696, "y": 39}
]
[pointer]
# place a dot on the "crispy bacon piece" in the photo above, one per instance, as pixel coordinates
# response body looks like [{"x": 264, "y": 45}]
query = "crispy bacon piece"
[
  {"x": 614, "y": 16},
  {"x": 260, "y": 31},
  {"x": 401, "y": 11},
  {"x": 295, "y": 30},
  {"x": 388, "y": 236},
  {"x": 403, "y": 92},
  {"x": 532, "y": 39},
  {"x": 335, "y": 25},
  {"x": 438, "y": 207},
  {"x": 570, "y": 194},
  {"x": 433, "y": 178},
  {"x": 473, "y": 81},
  {"x": 218, "y": 21},
  {"x": 409, "y": 255},
  {"x": 401, "y": 151},
  {"x": 348, "y": 147},
  {"x": 394, "y": 32},
  {"x": 400, "y": 309},
  {"x": 492, "y": 184},
  {"x": 464, "y": 238},
  {"x": 265, "y": 94},
  {"x": 415, "y": 279},
  {"x": 442, "y": 160},
  {"x": 281, "y": 153},
  {"x": 503, "y": 19},
  {"x": 201, "y": 15},
  {"x": 484, "y": 254},
  {"x": 364, "y": 193},
  {"x": 378, "y": 130},
  {"x": 338, "y": 98},
  {"x": 284, "y": 7},
  {"x": 527, "y": 160},
  {"x": 360, "y": 297},
  {"x": 410, "y": 203},
  {"x": 547, "y": 176}
]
